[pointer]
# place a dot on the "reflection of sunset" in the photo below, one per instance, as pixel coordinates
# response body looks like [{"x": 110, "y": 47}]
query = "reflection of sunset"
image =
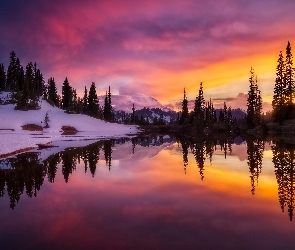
[{"x": 148, "y": 200}]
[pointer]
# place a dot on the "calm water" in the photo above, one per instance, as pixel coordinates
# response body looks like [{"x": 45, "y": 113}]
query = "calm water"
[{"x": 150, "y": 193}]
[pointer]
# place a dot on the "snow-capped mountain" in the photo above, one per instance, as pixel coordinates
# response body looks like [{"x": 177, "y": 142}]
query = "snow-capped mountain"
[{"x": 140, "y": 101}]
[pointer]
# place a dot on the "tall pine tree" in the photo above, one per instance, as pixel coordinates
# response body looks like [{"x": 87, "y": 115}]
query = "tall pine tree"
[
  {"x": 254, "y": 102},
  {"x": 289, "y": 75},
  {"x": 85, "y": 101},
  {"x": 93, "y": 104},
  {"x": 199, "y": 109},
  {"x": 279, "y": 100},
  {"x": 52, "y": 92},
  {"x": 184, "y": 111},
  {"x": 66, "y": 95},
  {"x": 2, "y": 77},
  {"x": 12, "y": 73}
]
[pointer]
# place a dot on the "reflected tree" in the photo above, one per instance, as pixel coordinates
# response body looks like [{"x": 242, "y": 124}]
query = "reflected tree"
[
  {"x": 25, "y": 173},
  {"x": 199, "y": 151},
  {"x": 107, "y": 146},
  {"x": 2, "y": 182},
  {"x": 255, "y": 148},
  {"x": 283, "y": 159},
  {"x": 185, "y": 146},
  {"x": 68, "y": 163},
  {"x": 51, "y": 165}
]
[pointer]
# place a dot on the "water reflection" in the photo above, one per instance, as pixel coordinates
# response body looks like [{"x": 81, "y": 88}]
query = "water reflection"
[
  {"x": 283, "y": 159},
  {"x": 203, "y": 148},
  {"x": 27, "y": 171},
  {"x": 150, "y": 193},
  {"x": 255, "y": 148}
]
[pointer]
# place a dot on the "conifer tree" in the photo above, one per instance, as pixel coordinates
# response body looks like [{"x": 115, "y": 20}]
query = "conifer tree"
[
  {"x": 74, "y": 103},
  {"x": 225, "y": 111},
  {"x": 289, "y": 75},
  {"x": 199, "y": 108},
  {"x": 254, "y": 102},
  {"x": 258, "y": 108},
  {"x": 133, "y": 114},
  {"x": 12, "y": 73},
  {"x": 93, "y": 104},
  {"x": 29, "y": 81},
  {"x": 2, "y": 77},
  {"x": 108, "y": 109},
  {"x": 279, "y": 99},
  {"x": 184, "y": 111},
  {"x": 85, "y": 101},
  {"x": 52, "y": 92},
  {"x": 66, "y": 95}
]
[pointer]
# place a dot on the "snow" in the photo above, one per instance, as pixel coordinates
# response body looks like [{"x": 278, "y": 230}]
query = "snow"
[{"x": 13, "y": 138}]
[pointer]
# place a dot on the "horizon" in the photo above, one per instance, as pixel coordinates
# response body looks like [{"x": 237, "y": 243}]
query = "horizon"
[{"x": 150, "y": 48}]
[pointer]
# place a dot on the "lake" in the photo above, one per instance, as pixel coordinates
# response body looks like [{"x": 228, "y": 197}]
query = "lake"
[{"x": 156, "y": 192}]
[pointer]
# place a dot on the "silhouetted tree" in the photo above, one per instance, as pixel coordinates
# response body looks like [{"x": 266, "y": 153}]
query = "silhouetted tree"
[
  {"x": 108, "y": 152},
  {"x": 284, "y": 163},
  {"x": 184, "y": 111},
  {"x": 12, "y": 83},
  {"x": 184, "y": 145},
  {"x": 254, "y": 102},
  {"x": 199, "y": 153},
  {"x": 2, "y": 77},
  {"x": 66, "y": 95},
  {"x": 52, "y": 92},
  {"x": 289, "y": 75},
  {"x": 85, "y": 101},
  {"x": 199, "y": 109},
  {"x": 133, "y": 114},
  {"x": 255, "y": 148},
  {"x": 279, "y": 100},
  {"x": 93, "y": 104},
  {"x": 108, "y": 112}
]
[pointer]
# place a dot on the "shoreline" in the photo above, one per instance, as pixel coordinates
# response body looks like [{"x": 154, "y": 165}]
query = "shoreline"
[{"x": 16, "y": 152}]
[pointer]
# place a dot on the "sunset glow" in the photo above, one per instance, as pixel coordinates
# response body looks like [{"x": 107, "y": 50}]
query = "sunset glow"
[{"x": 151, "y": 47}]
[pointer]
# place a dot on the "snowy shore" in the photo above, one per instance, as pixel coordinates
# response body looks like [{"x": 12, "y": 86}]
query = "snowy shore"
[{"x": 14, "y": 139}]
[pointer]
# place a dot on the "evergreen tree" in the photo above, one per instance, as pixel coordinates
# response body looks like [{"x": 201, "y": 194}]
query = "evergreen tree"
[
  {"x": 93, "y": 105},
  {"x": 258, "y": 108},
  {"x": 108, "y": 113},
  {"x": 289, "y": 75},
  {"x": 133, "y": 114},
  {"x": 199, "y": 109},
  {"x": 254, "y": 103},
  {"x": 52, "y": 92},
  {"x": 85, "y": 101},
  {"x": 29, "y": 81},
  {"x": 12, "y": 73},
  {"x": 279, "y": 100},
  {"x": 229, "y": 116},
  {"x": 74, "y": 103},
  {"x": 39, "y": 83},
  {"x": 25, "y": 90},
  {"x": 66, "y": 95},
  {"x": 2, "y": 77},
  {"x": 184, "y": 111}
]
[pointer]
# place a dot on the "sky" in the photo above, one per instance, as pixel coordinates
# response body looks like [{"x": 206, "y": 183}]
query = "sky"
[{"x": 154, "y": 47}]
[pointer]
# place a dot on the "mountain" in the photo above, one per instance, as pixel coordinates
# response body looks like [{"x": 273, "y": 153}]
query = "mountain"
[{"x": 140, "y": 101}]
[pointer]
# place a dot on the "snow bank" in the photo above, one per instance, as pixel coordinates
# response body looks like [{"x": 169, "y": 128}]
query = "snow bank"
[{"x": 13, "y": 138}]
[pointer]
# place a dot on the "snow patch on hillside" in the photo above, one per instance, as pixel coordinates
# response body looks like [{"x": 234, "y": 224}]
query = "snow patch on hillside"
[{"x": 13, "y": 138}]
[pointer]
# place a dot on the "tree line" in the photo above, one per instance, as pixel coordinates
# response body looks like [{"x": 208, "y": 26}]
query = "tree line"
[
  {"x": 204, "y": 115},
  {"x": 28, "y": 87}
]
